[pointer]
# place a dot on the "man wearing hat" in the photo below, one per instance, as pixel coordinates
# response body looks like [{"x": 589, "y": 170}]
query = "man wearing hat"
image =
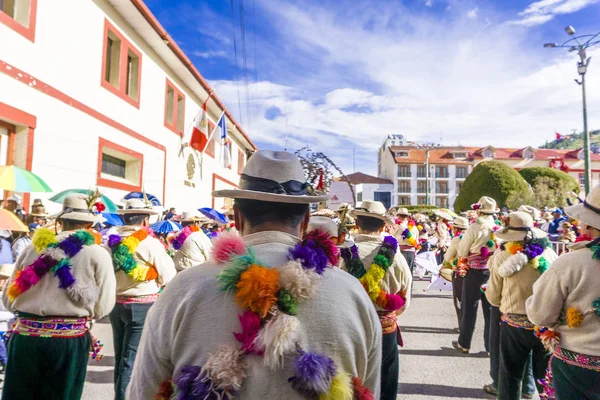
[
  {"x": 38, "y": 213},
  {"x": 324, "y": 224},
  {"x": 23, "y": 240},
  {"x": 192, "y": 245},
  {"x": 459, "y": 225},
  {"x": 407, "y": 235},
  {"x": 142, "y": 268},
  {"x": 60, "y": 284},
  {"x": 442, "y": 233},
  {"x": 13, "y": 204},
  {"x": 477, "y": 245},
  {"x": 210, "y": 322},
  {"x": 371, "y": 219},
  {"x": 566, "y": 300},
  {"x": 526, "y": 254}
]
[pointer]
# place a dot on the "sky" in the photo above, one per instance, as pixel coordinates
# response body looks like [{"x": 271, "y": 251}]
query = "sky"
[{"x": 340, "y": 75}]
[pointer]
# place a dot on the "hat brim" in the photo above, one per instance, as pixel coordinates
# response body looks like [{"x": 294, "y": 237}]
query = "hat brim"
[
  {"x": 443, "y": 215},
  {"x": 139, "y": 211},
  {"x": 79, "y": 216},
  {"x": 39, "y": 215},
  {"x": 516, "y": 236},
  {"x": 584, "y": 215},
  {"x": 269, "y": 197},
  {"x": 459, "y": 226},
  {"x": 360, "y": 213}
]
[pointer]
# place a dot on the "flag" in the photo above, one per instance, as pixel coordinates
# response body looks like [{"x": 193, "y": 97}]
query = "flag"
[
  {"x": 225, "y": 144},
  {"x": 199, "y": 138},
  {"x": 562, "y": 137}
]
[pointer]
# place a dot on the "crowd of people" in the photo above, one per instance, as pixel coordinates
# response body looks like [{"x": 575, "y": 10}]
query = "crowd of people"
[{"x": 290, "y": 303}]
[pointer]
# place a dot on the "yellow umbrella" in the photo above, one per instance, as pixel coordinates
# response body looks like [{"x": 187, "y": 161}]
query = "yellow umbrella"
[{"x": 11, "y": 222}]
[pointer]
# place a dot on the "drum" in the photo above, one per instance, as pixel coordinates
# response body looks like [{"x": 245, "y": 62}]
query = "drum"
[{"x": 447, "y": 273}]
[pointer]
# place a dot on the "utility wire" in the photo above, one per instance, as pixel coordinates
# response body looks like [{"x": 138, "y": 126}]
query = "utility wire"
[
  {"x": 245, "y": 60},
  {"x": 236, "y": 59}
]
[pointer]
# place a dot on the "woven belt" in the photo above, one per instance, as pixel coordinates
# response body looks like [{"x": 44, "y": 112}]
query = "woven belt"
[
  {"x": 149, "y": 298},
  {"x": 477, "y": 261},
  {"x": 578, "y": 359},
  {"x": 518, "y": 321},
  {"x": 389, "y": 321},
  {"x": 51, "y": 327},
  {"x": 405, "y": 247}
]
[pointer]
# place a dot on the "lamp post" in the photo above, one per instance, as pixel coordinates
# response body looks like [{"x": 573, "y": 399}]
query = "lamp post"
[
  {"x": 581, "y": 44},
  {"x": 425, "y": 147}
]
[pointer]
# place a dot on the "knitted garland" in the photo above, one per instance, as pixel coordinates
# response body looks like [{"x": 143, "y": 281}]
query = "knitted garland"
[
  {"x": 407, "y": 235},
  {"x": 269, "y": 327},
  {"x": 123, "y": 249},
  {"x": 56, "y": 257},
  {"x": 372, "y": 278},
  {"x": 524, "y": 254},
  {"x": 178, "y": 241}
]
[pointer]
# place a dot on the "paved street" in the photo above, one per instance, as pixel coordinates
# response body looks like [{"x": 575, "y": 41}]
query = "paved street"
[{"x": 430, "y": 367}]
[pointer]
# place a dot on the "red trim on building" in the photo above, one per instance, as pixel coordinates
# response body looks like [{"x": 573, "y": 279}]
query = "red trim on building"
[
  {"x": 126, "y": 46},
  {"x": 36, "y": 84},
  {"x": 20, "y": 117},
  {"x": 107, "y": 182},
  {"x": 176, "y": 93},
  {"x": 214, "y": 184},
  {"x": 27, "y": 33}
]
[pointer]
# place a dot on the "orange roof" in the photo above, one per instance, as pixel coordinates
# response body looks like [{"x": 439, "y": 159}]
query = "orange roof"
[{"x": 437, "y": 155}]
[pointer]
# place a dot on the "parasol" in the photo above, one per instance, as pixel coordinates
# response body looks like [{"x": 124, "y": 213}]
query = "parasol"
[
  {"x": 60, "y": 197},
  {"x": 140, "y": 195},
  {"x": 17, "y": 179},
  {"x": 112, "y": 219},
  {"x": 213, "y": 214},
  {"x": 11, "y": 222},
  {"x": 166, "y": 226}
]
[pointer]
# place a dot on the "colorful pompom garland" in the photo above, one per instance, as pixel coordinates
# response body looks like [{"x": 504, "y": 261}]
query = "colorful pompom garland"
[
  {"x": 407, "y": 235},
  {"x": 372, "y": 278},
  {"x": 268, "y": 326},
  {"x": 182, "y": 236},
  {"x": 55, "y": 257},
  {"x": 532, "y": 250},
  {"x": 123, "y": 249}
]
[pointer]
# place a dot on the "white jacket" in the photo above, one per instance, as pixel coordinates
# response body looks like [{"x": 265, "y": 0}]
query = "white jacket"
[
  {"x": 195, "y": 250},
  {"x": 477, "y": 236}
]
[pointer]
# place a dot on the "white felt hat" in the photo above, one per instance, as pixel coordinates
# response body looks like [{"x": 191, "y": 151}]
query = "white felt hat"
[
  {"x": 520, "y": 224},
  {"x": 374, "y": 209},
  {"x": 137, "y": 206},
  {"x": 75, "y": 207},
  {"x": 324, "y": 224}
]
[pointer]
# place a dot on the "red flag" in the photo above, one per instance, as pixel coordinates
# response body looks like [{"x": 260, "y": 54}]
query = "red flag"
[
  {"x": 558, "y": 136},
  {"x": 200, "y": 133}
]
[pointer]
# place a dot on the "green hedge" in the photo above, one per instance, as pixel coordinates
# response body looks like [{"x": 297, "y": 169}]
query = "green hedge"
[
  {"x": 489, "y": 178},
  {"x": 532, "y": 173}
]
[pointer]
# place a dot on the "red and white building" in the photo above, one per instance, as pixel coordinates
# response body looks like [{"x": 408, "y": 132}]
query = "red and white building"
[{"x": 98, "y": 93}]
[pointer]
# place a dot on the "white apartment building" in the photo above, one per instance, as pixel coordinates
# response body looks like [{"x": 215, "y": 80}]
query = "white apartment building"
[{"x": 98, "y": 93}]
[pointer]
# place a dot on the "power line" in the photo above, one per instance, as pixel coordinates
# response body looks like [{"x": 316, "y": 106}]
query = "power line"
[
  {"x": 245, "y": 60},
  {"x": 236, "y": 59},
  {"x": 254, "y": 39}
]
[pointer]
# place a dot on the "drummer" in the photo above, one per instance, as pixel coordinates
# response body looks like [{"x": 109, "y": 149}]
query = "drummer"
[{"x": 459, "y": 225}]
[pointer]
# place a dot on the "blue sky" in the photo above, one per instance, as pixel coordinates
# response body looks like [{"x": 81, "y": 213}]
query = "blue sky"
[{"x": 343, "y": 74}]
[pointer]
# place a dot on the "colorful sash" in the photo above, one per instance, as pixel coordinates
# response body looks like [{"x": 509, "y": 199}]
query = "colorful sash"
[
  {"x": 569, "y": 357},
  {"x": 51, "y": 327},
  {"x": 150, "y": 298},
  {"x": 518, "y": 321}
]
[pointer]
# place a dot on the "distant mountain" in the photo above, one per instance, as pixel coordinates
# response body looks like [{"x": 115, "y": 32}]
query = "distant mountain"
[{"x": 575, "y": 142}]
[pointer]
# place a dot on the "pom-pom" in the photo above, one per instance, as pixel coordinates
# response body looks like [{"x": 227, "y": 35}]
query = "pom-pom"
[
  {"x": 71, "y": 245},
  {"x": 549, "y": 338},
  {"x": 131, "y": 242},
  {"x": 341, "y": 388},
  {"x": 533, "y": 250},
  {"x": 490, "y": 243},
  {"x": 14, "y": 291},
  {"x": 286, "y": 302},
  {"x": 42, "y": 238},
  {"x": 55, "y": 252},
  {"x": 83, "y": 293},
  {"x": 178, "y": 241},
  {"x": 314, "y": 374},
  {"x": 226, "y": 246},
  {"x": 65, "y": 278},
  {"x": 114, "y": 240},
  {"x": 226, "y": 369},
  {"x": 596, "y": 305},
  {"x": 484, "y": 252},
  {"x": 299, "y": 282},
  {"x": 138, "y": 273},
  {"x": 512, "y": 265},
  {"x": 184, "y": 381},
  {"x": 543, "y": 265},
  {"x": 141, "y": 234},
  {"x": 257, "y": 289},
  {"x": 312, "y": 256},
  {"x": 229, "y": 277},
  {"x": 250, "y": 322},
  {"x": 513, "y": 247},
  {"x": 382, "y": 261},
  {"x": 360, "y": 391},
  {"x": 151, "y": 274},
  {"x": 476, "y": 207},
  {"x": 574, "y": 317},
  {"x": 390, "y": 242},
  {"x": 165, "y": 391},
  {"x": 278, "y": 338},
  {"x": 100, "y": 207},
  {"x": 323, "y": 241},
  {"x": 394, "y": 302},
  {"x": 85, "y": 237},
  {"x": 28, "y": 278}
]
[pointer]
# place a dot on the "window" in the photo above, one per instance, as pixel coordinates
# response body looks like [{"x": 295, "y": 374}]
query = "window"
[
  {"x": 119, "y": 167},
  {"x": 240, "y": 161},
  {"x": 403, "y": 186},
  {"x": 441, "y": 202},
  {"x": 421, "y": 187},
  {"x": 403, "y": 200},
  {"x": 402, "y": 154},
  {"x": 20, "y": 16},
  {"x": 460, "y": 155},
  {"x": 528, "y": 154},
  {"x": 422, "y": 200},
  {"x": 359, "y": 197},
  {"x": 488, "y": 153},
  {"x": 121, "y": 66},
  {"x": 459, "y": 186},
  {"x": 441, "y": 171},
  {"x": 462, "y": 172},
  {"x": 174, "y": 108},
  {"x": 441, "y": 187},
  {"x": 404, "y": 171},
  {"x": 383, "y": 197},
  {"x": 421, "y": 171}
]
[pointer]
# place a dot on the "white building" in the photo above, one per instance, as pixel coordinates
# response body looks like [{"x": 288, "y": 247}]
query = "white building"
[
  {"x": 97, "y": 93},
  {"x": 366, "y": 187}
]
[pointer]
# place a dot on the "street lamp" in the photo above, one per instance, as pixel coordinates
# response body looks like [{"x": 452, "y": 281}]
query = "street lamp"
[
  {"x": 426, "y": 148},
  {"x": 581, "y": 44}
]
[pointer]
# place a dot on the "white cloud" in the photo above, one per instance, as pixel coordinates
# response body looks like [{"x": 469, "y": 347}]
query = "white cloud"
[
  {"x": 417, "y": 74},
  {"x": 542, "y": 11},
  {"x": 211, "y": 54},
  {"x": 429, "y": 3},
  {"x": 472, "y": 14},
  {"x": 532, "y": 20}
]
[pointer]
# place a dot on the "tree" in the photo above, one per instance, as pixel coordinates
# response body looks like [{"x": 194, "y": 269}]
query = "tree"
[
  {"x": 531, "y": 174},
  {"x": 490, "y": 178},
  {"x": 546, "y": 192}
]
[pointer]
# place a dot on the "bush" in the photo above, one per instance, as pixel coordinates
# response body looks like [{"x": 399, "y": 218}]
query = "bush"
[
  {"x": 547, "y": 192},
  {"x": 531, "y": 174},
  {"x": 490, "y": 178}
]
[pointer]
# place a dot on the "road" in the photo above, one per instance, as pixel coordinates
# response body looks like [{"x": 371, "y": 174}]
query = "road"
[{"x": 429, "y": 367}]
